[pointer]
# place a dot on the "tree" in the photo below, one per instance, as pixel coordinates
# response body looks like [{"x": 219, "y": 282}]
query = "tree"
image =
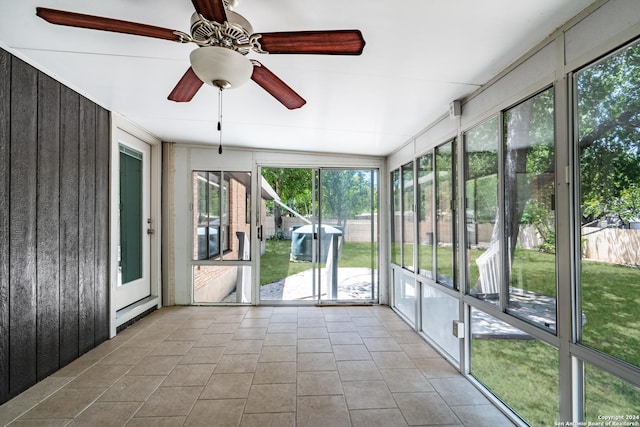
[
  {"x": 345, "y": 193},
  {"x": 294, "y": 188},
  {"x": 609, "y": 137}
]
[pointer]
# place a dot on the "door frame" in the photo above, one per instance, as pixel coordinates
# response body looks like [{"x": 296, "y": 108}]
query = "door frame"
[{"x": 122, "y": 130}]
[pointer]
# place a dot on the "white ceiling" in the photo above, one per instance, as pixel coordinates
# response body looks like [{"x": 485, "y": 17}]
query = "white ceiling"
[{"x": 419, "y": 56}]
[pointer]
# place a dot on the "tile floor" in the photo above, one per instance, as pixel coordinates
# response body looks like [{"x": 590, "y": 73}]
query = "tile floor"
[{"x": 258, "y": 366}]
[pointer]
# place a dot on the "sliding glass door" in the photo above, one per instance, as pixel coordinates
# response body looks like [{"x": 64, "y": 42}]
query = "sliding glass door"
[{"x": 318, "y": 235}]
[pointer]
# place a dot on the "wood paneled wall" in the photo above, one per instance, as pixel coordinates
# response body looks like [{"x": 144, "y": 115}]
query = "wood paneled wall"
[{"x": 54, "y": 225}]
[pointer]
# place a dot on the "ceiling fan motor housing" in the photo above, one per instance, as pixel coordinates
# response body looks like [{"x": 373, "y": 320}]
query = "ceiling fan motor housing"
[{"x": 233, "y": 34}]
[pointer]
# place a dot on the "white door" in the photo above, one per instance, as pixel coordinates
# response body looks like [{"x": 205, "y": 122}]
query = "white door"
[{"x": 134, "y": 222}]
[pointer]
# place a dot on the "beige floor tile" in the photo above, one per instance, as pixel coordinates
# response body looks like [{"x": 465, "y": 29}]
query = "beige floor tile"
[
  {"x": 319, "y": 383},
  {"x": 311, "y": 322},
  {"x": 265, "y": 398},
  {"x": 237, "y": 363},
  {"x": 221, "y": 413},
  {"x": 358, "y": 370},
  {"x": 436, "y": 368},
  {"x": 312, "y": 333},
  {"x": 284, "y": 318},
  {"x": 197, "y": 355},
  {"x": 228, "y": 386},
  {"x": 222, "y": 328},
  {"x": 43, "y": 389},
  {"x": 280, "y": 339},
  {"x": 368, "y": 395},
  {"x": 337, "y": 338},
  {"x": 14, "y": 408},
  {"x": 41, "y": 423},
  {"x": 351, "y": 352},
  {"x": 458, "y": 391},
  {"x": 405, "y": 380},
  {"x": 255, "y": 322},
  {"x": 250, "y": 333},
  {"x": 275, "y": 373},
  {"x": 229, "y": 318},
  {"x": 213, "y": 340},
  {"x": 243, "y": 347},
  {"x": 366, "y": 321},
  {"x": 107, "y": 414},
  {"x": 287, "y": 353},
  {"x": 341, "y": 327},
  {"x": 259, "y": 313},
  {"x": 259, "y": 366},
  {"x": 156, "y": 422},
  {"x": 66, "y": 403},
  {"x": 125, "y": 356},
  {"x": 425, "y": 409},
  {"x": 322, "y": 411},
  {"x": 155, "y": 365},
  {"x": 374, "y": 332},
  {"x": 337, "y": 317},
  {"x": 287, "y": 419},
  {"x": 132, "y": 389},
  {"x": 381, "y": 344},
  {"x": 419, "y": 351},
  {"x": 314, "y": 345},
  {"x": 481, "y": 416},
  {"x": 99, "y": 376},
  {"x": 316, "y": 362},
  {"x": 189, "y": 375},
  {"x": 406, "y": 337},
  {"x": 146, "y": 340},
  {"x": 186, "y": 334},
  {"x": 172, "y": 348},
  {"x": 170, "y": 401},
  {"x": 392, "y": 359},
  {"x": 199, "y": 323},
  {"x": 377, "y": 418},
  {"x": 282, "y": 328},
  {"x": 77, "y": 367}
]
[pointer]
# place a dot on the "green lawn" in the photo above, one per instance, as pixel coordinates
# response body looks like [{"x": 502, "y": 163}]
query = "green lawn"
[
  {"x": 525, "y": 373},
  {"x": 275, "y": 263}
]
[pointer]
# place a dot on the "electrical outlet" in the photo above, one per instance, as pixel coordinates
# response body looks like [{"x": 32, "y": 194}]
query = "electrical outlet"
[{"x": 458, "y": 329}]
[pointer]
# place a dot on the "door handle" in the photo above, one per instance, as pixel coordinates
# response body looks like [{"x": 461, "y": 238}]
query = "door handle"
[
  {"x": 150, "y": 231},
  {"x": 260, "y": 232}
]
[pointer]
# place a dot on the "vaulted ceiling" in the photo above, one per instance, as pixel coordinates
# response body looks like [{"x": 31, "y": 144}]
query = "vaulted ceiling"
[{"x": 419, "y": 56}]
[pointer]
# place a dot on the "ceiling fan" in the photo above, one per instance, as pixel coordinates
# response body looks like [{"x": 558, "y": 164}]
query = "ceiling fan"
[{"x": 225, "y": 38}]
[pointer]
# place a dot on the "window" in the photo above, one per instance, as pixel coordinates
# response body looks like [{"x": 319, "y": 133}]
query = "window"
[
  {"x": 521, "y": 370},
  {"x": 211, "y": 226},
  {"x": 425, "y": 215},
  {"x": 529, "y": 210},
  {"x": 407, "y": 216},
  {"x": 220, "y": 210},
  {"x": 445, "y": 219},
  {"x": 396, "y": 210},
  {"x": 481, "y": 209},
  {"x": 608, "y": 149}
]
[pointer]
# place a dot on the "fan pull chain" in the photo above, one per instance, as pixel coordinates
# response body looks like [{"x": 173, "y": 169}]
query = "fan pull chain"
[{"x": 220, "y": 119}]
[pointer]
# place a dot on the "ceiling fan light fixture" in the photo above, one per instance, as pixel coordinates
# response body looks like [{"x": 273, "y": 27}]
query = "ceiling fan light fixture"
[{"x": 218, "y": 66}]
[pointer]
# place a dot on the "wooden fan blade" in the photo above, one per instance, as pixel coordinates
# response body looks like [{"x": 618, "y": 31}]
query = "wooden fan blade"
[
  {"x": 213, "y": 10},
  {"x": 338, "y": 42},
  {"x": 186, "y": 88},
  {"x": 276, "y": 87},
  {"x": 73, "y": 19}
]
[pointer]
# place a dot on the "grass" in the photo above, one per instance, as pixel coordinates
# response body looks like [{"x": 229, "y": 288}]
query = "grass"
[
  {"x": 275, "y": 264},
  {"x": 515, "y": 370}
]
